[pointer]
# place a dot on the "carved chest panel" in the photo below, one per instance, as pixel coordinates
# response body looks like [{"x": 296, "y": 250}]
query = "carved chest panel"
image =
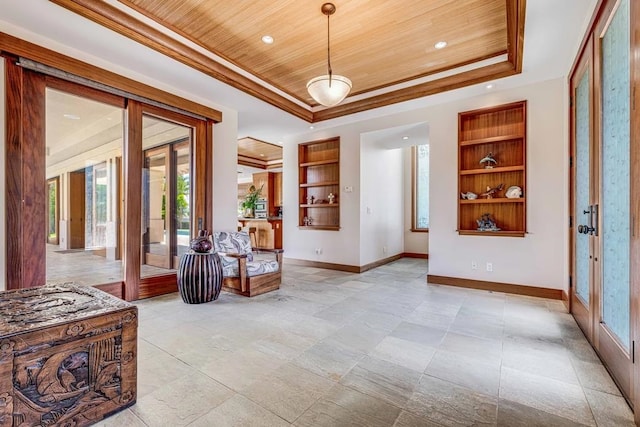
[{"x": 67, "y": 356}]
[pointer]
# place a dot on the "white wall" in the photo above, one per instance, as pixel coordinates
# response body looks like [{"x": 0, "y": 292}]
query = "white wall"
[
  {"x": 415, "y": 243},
  {"x": 381, "y": 201},
  {"x": 3, "y": 240},
  {"x": 225, "y": 188},
  {"x": 339, "y": 247},
  {"x": 539, "y": 259}
]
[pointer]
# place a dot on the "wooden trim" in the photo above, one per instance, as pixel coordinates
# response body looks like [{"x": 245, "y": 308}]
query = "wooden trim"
[
  {"x": 597, "y": 12},
  {"x": 467, "y": 78},
  {"x": 157, "y": 285},
  {"x": 508, "y": 288},
  {"x": 85, "y": 92},
  {"x": 133, "y": 163},
  {"x": 352, "y": 268},
  {"x": 566, "y": 301},
  {"x": 515, "y": 32},
  {"x": 380, "y": 262},
  {"x": 114, "y": 289},
  {"x": 19, "y": 47},
  {"x": 327, "y": 265},
  {"x": 419, "y": 230},
  {"x": 122, "y": 23},
  {"x": 13, "y": 173},
  {"x": 414, "y": 255}
]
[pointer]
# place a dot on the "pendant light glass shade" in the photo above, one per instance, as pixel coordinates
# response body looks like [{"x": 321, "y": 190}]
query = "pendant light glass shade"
[{"x": 329, "y": 90}]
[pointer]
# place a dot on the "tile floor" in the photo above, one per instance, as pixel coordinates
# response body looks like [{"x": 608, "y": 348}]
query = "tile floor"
[{"x": 381, "y": 348}]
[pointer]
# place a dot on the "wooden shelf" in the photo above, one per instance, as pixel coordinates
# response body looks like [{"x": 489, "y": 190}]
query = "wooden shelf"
[
  {"x": 501, "y": 233},
  {"x": 319, "y": 184},
  {"x": 490, "y": 140},
  {"x": 499, "y": 131},
  {"x": 319, "y": 176},
  {"x": 492, "y": 170},
  {"x": 319, "y": 163},
  {"x": 494, "y": 200}
]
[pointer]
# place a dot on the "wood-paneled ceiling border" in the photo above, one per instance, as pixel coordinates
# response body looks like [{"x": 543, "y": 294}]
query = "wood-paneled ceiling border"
[
  {"x": 17, "y": 47},
  {"x": 117, "y": 20},
  {"x": 122, "y": 23}
]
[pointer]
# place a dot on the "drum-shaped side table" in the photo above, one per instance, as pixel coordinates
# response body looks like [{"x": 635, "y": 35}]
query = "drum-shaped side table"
[{"x": 199, "y": 277}]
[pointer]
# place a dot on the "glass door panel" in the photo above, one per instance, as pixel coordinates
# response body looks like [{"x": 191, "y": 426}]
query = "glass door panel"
[
  {"x": 582, "y": 187},
  {"x": 53, "y": 208},
  {"x": 84, "y": 140},
  {"x": 154, "y": 222},
  {"x": 166, "y": 195},
  {"x": 182, "y": 215},
  {"x": 615, "y": 191}
]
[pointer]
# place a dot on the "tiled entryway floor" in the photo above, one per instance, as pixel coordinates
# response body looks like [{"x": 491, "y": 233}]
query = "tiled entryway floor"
[{"x": 381, "y": 348}]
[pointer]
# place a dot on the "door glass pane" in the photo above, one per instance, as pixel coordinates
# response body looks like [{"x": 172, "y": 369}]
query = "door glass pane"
[
  {"x": 615, "y": 201},
  {"x": 166, "y": 195},
  {"x": 583, "y": 143},
  {"x": 84, "y": 140},
  {"x": 183, "y": 199},
  {"x": 154, "y": 195}
]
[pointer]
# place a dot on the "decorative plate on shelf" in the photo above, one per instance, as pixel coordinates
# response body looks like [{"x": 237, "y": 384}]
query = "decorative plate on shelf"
[{"x": 513, "y": 192}]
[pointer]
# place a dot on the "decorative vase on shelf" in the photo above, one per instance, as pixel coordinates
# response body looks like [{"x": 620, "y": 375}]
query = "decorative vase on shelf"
[{"x": 201, "y": 244}]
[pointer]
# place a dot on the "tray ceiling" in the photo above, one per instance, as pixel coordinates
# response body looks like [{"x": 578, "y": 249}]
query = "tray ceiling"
[{"x": 387, "y": 51}]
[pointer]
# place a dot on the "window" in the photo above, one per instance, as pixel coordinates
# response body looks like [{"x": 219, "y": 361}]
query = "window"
[{"x": 420, "y": 187}]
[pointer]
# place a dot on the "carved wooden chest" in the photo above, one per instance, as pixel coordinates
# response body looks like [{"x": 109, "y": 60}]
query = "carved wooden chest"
[{"x": 67, "y": 356}]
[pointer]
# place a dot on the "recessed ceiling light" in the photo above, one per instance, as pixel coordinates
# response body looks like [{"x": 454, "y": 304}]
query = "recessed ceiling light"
[
  {"x": 441, "y": 45},
  {"x": 279, "y": 142},
  {"x": 405, "y": 137},
  {"x": 261, "y": 155},
  {"x": 267, "y": 39},
  {"x": 311, "y": 127},
  {"x": 489, "y": 86},
  {"x": 71, "y": 117}
]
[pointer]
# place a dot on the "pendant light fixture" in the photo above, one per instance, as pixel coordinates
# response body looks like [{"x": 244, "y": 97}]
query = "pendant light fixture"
[{"x": 330, "y": 89}]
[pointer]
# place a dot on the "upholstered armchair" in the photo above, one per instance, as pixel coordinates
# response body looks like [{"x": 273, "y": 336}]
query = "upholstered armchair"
[{"x": 242, "y": 274}]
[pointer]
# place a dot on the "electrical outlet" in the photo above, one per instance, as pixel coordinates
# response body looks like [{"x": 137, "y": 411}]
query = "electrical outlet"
[
  {"x": 318, "y": 251},
  {"x": 489, "y": 266},
  {"x": 474, "y": 265}
]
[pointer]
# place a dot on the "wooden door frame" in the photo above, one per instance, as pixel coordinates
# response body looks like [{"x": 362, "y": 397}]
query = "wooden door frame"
[
  {"x": 25, "y": 199},
  {"x": 610, "y": 349},
  {"x": 202, "y": 194},
  {"x": 577, "y": 308}
]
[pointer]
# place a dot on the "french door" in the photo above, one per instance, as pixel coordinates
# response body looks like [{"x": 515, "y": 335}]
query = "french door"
[{"x": 602, "y": 210}]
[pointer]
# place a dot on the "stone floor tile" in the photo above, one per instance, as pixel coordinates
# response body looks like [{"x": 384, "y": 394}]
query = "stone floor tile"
[
  {"x": 512, "y": 414},
  {"x": 288, "y": 391},
  {"x": 384, "y": 380},
  {"x": 609, "y": 410},
  {"x": 465, "y": 370},
  {"x": 343, "y": 406},
  {"x": 405, "y": 353},
  {"x": 329, "y": 359},
  {"x": 418, "y": 333},
  {"x": 546, "y": 394},
  {"x": 450, "y": 405},
  {"x": 594, "y": 376},
  {"x": 239, "y": 411}
]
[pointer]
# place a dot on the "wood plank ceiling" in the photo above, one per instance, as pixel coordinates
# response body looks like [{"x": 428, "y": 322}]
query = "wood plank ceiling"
[{"x": 375, "y": 44}]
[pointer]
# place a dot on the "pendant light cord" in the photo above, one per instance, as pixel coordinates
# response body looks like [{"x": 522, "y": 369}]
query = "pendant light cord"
[{"x": 329, "y": 49}]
